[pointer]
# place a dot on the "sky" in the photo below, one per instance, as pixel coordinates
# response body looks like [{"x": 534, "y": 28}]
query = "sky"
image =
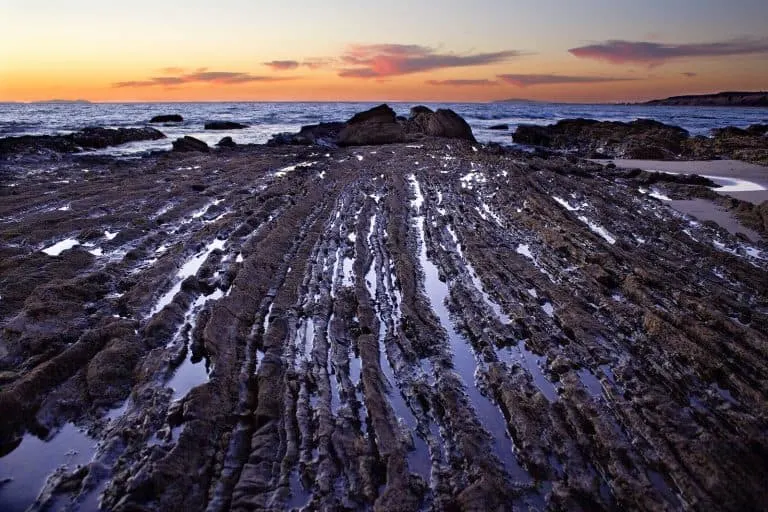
[{"x": 399, "y": 50}]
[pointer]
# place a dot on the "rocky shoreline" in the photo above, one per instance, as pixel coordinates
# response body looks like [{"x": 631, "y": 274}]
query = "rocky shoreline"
[
  {"x": 646, "y": 139},
  {"x": 418, "y": 322}
]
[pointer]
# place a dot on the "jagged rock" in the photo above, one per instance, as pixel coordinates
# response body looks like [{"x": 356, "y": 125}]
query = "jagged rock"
[
  {"x": 227, "y": 142},
  {"x": 188, "y": 143},
  {"x": 224, "y": 125},
  {"x": 167, "y": 118}
]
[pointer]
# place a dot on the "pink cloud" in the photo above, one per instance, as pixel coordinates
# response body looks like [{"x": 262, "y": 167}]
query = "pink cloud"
[{"x": 382, "y": 60}]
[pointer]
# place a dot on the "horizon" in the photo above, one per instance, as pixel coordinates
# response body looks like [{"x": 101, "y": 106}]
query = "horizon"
[
  {"x": 82, "y": 101},
  {"x": 433, "y": 52}
]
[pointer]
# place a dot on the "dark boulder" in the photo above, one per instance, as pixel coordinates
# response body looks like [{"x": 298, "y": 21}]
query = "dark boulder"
[
  {"x": 499, "y": 127},
  {"x": 224, "y": 125},
  {"x": 375, "y": 126},
  {"x": 442, "y": 123},
  {"x": 168, "y": 118},
  {"x": 227, "y": 142},
  {"x": 188, "y": 143}
]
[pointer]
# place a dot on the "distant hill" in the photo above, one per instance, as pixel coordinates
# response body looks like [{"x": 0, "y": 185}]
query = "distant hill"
[
  {"x": 62, "y": 101},
  {"x": 517, "y": 100},
  {"x": 720, "y": 99}
]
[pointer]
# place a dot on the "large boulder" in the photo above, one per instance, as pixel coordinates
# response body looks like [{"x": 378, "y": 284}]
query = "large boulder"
[
  {"x": 224, "y": 125},
  {"x": 375, "y": 126},
  {"x": 442, "y": 123},
  {"x": 188, "y": 143},
  {"x": 167, "y": 118}
]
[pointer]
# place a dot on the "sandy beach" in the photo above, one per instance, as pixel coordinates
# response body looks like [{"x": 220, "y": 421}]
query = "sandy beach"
[{"x": 742, "y": 180}]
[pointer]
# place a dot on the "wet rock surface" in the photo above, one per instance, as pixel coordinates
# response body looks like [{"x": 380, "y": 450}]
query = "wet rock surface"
[
  {"x": 87, "y": 138},
  {"x": 431, "y": 326},
  {"x": 646, "y": 139}
]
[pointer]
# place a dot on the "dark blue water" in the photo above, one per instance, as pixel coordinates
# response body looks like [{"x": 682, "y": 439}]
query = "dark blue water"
[{"x": 266, "y": 119}]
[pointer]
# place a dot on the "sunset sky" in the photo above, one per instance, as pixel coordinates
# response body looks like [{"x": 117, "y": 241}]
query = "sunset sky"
[{"x": 431, "y": 50}]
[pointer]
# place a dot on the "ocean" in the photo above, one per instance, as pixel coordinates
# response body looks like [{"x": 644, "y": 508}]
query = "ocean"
[{"x": 266, "y": 119}]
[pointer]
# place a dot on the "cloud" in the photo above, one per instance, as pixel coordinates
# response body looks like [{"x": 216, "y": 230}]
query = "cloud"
[
  {"x": 689, "y": 74},
  {"x": 462, "y": 82},
  {"x": 200, "y": 76},
  {"x": 318, "y": 62},
  {"x": 654, "y": 54},
  {"x": 282, "y": 65},
  {"x": 382, "y": 60},
  {"x": 551, "y": 79}
]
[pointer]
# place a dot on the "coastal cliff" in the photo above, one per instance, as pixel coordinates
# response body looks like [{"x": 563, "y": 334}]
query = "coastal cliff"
[{"x": 720, "y": 99}]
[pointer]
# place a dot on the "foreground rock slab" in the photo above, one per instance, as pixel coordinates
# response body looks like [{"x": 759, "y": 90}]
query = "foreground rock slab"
[{"x": 431, "y": 326}]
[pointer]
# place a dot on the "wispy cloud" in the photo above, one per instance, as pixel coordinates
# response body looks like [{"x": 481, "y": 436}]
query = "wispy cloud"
[
  {"x": 319, "y": 62},
  {"x": 282, "y": 65},
  {"x": 552, "y": 79},
  {"x": 462, "y": 82},
  {"x": 200, "y": 76},
  {"x": 689, "y": 74},
  {"x": 382, "y": 60},
  {"x": 645, "y": 52}
]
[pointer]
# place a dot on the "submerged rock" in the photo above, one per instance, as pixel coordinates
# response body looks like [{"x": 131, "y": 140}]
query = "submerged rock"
[
  {"x": 167, "y": 118},
  {"x": 500, "y": 127},
  {"x": 188, "y": 143},
  {"x": 224, "y": 125}
]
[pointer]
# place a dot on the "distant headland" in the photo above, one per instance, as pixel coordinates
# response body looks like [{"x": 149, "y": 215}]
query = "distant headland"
[
  {"x": 61, "y": 101},
  {"x": 720, "y": 99}
]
